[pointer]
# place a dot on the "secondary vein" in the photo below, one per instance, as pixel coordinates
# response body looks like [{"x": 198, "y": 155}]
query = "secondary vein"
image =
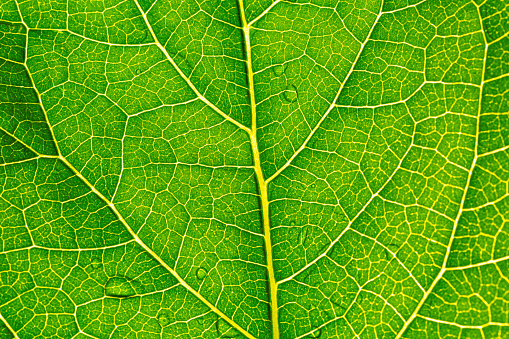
[
  {"x": 187, "y": 80},
  {"x": 449, "y": 245}
]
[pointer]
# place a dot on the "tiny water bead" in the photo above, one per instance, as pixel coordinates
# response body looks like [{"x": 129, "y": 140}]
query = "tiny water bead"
[
  {"x": 96, "y": 263},
  {"x": 360, "y": 298},
  {"x": 141, "y": 35},
  {"x": 292, "y": 223},
  {"x": 119, "y": 287},
  {"x": 225, "y": 330},
  {"x": 138, "y": 71},
  {"x": 393, "y": 248},
  {"x": 316, "y": 334},
  {"x": 201, "y": 273},
  {"x": 338, "y": 300},
  {"x": 390, "y": 251},
  {"x": 163, "y": 320},
  {"x": 290, "y": 93},
  {"x": 303, "y": 235},
  {"x": 279, "y": 70}
]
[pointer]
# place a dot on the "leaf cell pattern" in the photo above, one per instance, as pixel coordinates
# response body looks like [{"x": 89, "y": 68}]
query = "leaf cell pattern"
[{"x": 254, "y": 168}]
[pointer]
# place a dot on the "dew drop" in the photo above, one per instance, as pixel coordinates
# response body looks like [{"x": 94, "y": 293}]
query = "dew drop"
[
  {"x": 303, "y": 236},
  {"x": 393, "y": 248},
  {"x": 336, "y": 299},
  {"x": 291, "y": 93},
  {"x": 201, "y": 273},
  {"x": 163, "y": 320},
  {"x": 316, "y": 334},
  {"x": 140, "y": 35},
  {"x": 224, "y": 330},
  {"x": 96, "y": 263},
  {"x": 360, "y": 298},
  {"x": 119, "y": 287},
  {"x": 292, "y": 223},
  {"x": 279, "y": 70},
  {"x": 315, "y": 317},
  {"x": 138, "y": 71}
]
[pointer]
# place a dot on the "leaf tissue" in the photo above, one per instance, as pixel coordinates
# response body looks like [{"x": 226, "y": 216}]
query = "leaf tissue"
[{"x": 269, "y": 169}]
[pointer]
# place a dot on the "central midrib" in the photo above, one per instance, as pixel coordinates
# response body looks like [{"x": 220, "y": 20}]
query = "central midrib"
[{"x": 262, "y": 183}]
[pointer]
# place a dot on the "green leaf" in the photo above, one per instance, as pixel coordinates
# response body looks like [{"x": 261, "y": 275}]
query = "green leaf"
[{"x": 254, "y": 168}]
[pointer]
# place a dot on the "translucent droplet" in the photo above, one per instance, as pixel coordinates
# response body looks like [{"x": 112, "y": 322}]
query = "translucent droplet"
[
  {"x": 360, "y": 298},
  {"x": 279, "y": 70},
  {"x": 182, "y": 62},
  {"x": 119, "y": 287},
  {"x": 138, "y": 71},
  {"x": 292, "y": 223},
  {"x": 224, "y": 330},
  {"x": 291, "y": 93},
  {"x": 163, "y": 320},
  {"x": 336, "y": 299},
  {"x": 253, "y": 36},
  {"x": 96, "y": 263},
  {"x": 331, "y": 253},
  {"x": 314, "y": 316},
  {"x": 393, "y": 248},
  {"x": 201, "y": 273},
  {"x": 303, "y": 236},
  {"x": 316, "y": 334},
  {"x": 140, "y": 36}
]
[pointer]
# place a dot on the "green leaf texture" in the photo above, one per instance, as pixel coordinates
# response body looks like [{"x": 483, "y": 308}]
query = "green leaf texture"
[{"x": 254, "y": 169}]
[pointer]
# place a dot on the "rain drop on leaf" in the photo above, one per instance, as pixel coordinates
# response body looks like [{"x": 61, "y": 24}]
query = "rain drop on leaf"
[
  {"x": 224, "y": 330},
  {"x": 96, "y": 263},
  {"x": 279, "y": 70},
  {"x": 201, "y": 273},
  {"x": 119, "y": 287},
  {"x": 290, "y": 93},
  {"x": 163, "y": 320},
  {"x": 316, "y": 334}
]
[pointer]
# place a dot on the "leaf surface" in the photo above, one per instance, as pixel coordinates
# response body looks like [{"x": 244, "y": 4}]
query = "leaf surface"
[{"x": 254, "y": 168}]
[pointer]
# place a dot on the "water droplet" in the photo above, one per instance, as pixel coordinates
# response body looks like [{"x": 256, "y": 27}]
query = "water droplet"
[
  {"x": 138, "y": 71},
  {"x": 292, "y": 223},
  {"x": 304, "y": 276},
  {"x": 316, "y": 334},
  {"x": 224, "y": 330},
  {"x": 314, "y": 316},
  {"x": 340, "y": 303},
  {"x": 336, "y": 299},
  {"x": 119, "y": 287},
  {"x": 140, "y": 36},
  {"x": 279, "y": 70},
  {"x": 96, "y": 263},
  {"x": 291, "y": 93},
  {"x": 360, "y": 298},
  {"x": 201, "y": 273},
  {"x": 254, "y": 34},
  {"x": 393, "y": 248},
  {"x": 163, "y": 320},
  {"x": 331, "y": 253},
  {"x": 303, "y": 236}
]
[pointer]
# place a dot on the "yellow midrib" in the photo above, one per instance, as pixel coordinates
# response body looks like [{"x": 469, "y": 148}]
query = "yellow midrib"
[{"x": 262, "y": 183}]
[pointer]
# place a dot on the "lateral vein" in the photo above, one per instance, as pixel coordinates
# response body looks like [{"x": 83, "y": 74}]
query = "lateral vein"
[
  {"x": 187, "y": 80},
  {"x": 463, "y": 198}
]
